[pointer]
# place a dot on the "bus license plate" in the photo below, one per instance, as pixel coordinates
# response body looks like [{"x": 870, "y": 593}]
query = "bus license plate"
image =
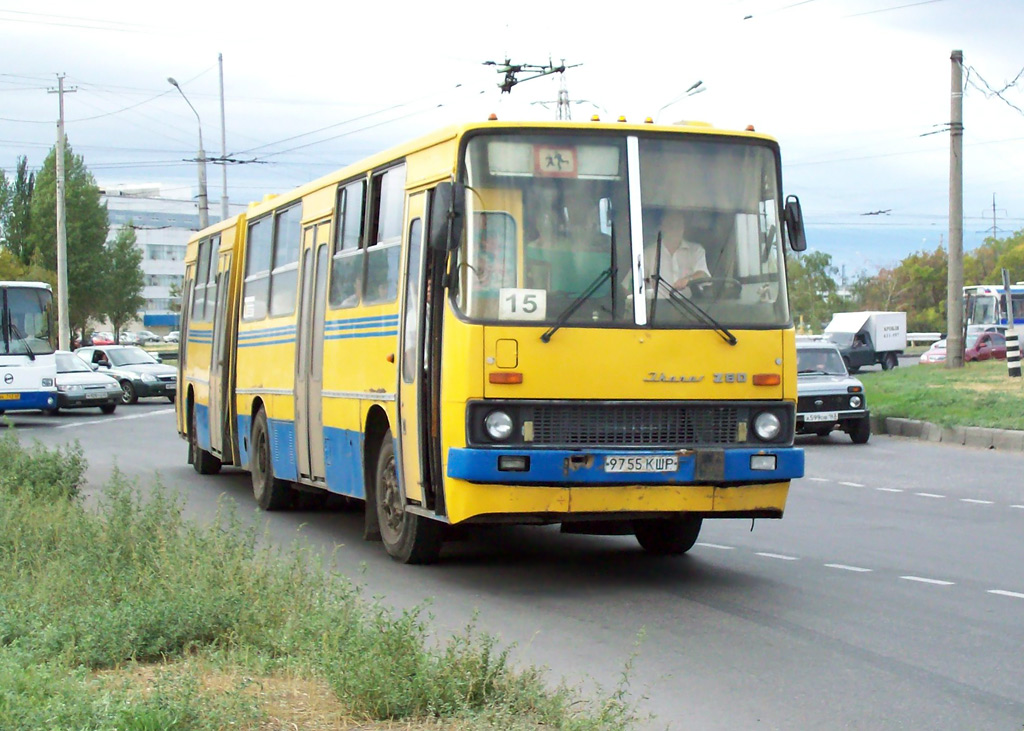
[
  {"x": 642, "y": 463},
  {"x": 10, "y": 396},
  {"x": 822, "y": 416}
]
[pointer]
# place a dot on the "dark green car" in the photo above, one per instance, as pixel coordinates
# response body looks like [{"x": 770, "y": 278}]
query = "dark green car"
[{"x": 139, "y": 373}]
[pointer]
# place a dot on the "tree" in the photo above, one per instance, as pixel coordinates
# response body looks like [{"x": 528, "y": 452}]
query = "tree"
[
  {"x": 125, "y": 280},
  {"x": 87, "y": 225},
  {"x": 19, "y": 221},
  {"x": 12, "y": 269},
  {"x": 813, "y": 292}
]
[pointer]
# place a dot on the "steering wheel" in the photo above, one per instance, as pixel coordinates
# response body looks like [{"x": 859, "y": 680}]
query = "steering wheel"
[{"x": 716, "y": 288}]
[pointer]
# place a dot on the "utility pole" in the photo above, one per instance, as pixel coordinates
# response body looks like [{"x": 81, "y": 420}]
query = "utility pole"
[
  {"x": 955, "y": 282},
  {"x": 223, "y": 146},
  {"x": 63, "y": 317}
]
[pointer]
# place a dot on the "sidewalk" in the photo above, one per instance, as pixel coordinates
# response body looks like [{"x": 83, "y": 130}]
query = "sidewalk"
[{"x": 969, "y": 436}]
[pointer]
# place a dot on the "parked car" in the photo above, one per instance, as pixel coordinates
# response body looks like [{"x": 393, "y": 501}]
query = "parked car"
[
  {"x": 139, "y": 373},
  {"x": 102, "y": 338},
  {"x": 79, "y": 387},
  {"x": 984, "y": 346},
  {"x": 171, "y": 337},
  {"x": 128, "y": 338},
  {"x": 828, "y": 397},
  {"x": 145, "y": 336},
  {"x": 936, "y": 353}
]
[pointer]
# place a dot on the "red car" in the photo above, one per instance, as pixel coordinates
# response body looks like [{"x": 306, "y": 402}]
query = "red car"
[{"x": 984, "y": 346}]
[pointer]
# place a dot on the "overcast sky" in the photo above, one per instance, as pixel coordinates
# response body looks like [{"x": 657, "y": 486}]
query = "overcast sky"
[{"x": 850, "y": 88}]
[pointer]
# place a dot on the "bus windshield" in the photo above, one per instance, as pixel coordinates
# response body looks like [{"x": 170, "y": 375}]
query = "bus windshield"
[
  {"x": 550, "y": 231},
  {"x": 27, "y": 322}
]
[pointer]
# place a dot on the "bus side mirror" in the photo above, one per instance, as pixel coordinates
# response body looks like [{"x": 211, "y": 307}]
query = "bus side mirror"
[
  {"x": 447, "y": 213},
  {"x": 794, "y": 219}
]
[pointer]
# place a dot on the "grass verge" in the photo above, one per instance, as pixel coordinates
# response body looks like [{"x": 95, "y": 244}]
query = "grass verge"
[
  {"x": 131, "y": 617},
  {"x": 979, "y": 394}
]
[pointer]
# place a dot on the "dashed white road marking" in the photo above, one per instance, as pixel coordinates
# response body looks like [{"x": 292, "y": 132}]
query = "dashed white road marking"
[
  {"x": 889, "y": 489},
  {"x": 1000, "y": 592},
  {"x": 779, "y": 556},
  {"x": 976, "y": 502},
  {"x": 851, "y": 484},
  {"x": 111, "y": 419},
  {"x": 928, "y": 494},
  {"x": 716, "y": 545},
  {"x": 1019, "y": 507},
  {"x": 819, "y": 479},
  {"x": 844, "y": 567},
  {"x": 923, "y": 580}
]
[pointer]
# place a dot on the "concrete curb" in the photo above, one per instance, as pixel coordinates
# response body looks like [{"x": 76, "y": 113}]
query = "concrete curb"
[{"x": 1006, "y": 440}]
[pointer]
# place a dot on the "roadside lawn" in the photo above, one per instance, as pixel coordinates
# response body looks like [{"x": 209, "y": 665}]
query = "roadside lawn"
[{"x": 979, "y": 394}]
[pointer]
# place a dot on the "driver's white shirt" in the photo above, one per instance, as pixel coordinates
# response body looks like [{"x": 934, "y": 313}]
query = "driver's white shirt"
[{"x": 682, "y": 262}]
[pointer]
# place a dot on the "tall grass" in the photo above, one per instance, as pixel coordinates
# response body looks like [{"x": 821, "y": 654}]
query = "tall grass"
[
  {"x": 979, "y": 394},
  {"x": 134, "y": 582}
]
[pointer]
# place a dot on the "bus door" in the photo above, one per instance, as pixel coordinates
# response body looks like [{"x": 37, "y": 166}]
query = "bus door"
[
  {"x": 309, "y": 354},
  {"x": 218, "y": 376},
  {"x": 412, "y": 353}
]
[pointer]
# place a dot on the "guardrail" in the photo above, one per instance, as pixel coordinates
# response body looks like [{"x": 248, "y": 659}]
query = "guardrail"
[{"x": 923, "y": 337}]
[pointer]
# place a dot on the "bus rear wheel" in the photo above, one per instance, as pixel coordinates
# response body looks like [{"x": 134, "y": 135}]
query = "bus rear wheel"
[
  {"x": 203, "y": 462},
  {"x": 668, "y": 536},
  {"x": 270, "y": 492},
  {"x": 407, "y": 537}
]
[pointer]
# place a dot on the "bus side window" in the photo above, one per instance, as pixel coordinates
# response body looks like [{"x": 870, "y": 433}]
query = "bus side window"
[
  {"x": 347, "y": 261},
  {"x": 256, "y": 293},
  {"x": 284, "y": 277},
  {"x": 388, "y": 200}
]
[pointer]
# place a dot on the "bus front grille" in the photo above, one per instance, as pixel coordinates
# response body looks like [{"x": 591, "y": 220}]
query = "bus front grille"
[{"x": 640, "y": 425}]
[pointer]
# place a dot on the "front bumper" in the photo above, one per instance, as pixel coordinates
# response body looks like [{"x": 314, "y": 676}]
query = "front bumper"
[
  {"x": 144, "y": 389},
  {"x": 843, "y": 419},
  {"x": 83, "y": 401},
  {"x": 584, "y": 468}
]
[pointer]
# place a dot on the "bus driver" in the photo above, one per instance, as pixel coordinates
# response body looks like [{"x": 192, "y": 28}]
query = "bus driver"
[{"x": 682, "y": 261}]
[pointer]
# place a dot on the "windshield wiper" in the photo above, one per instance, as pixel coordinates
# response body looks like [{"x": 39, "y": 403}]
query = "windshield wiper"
[
  {"x": 684, "y": 304},
  {"x": 16, "y": 332},
  {"x": 587, "y": 294}
]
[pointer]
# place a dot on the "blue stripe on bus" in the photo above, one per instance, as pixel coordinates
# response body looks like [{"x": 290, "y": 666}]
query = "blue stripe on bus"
[
  {"x": 264, "y": 332},
  {"x": 202, "y": 425},
  {"x": 549, "y": 467},
  {"x": 343, "y": 454},
  {"x": 29, "y": 400},
  {"x": 346, "y": 336},
  {"x": 286, "y": 341},
  {"x": 361, "y": 322}
]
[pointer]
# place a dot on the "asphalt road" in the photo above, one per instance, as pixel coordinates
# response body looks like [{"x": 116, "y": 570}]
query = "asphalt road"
[{"x": 890, "y": 596}]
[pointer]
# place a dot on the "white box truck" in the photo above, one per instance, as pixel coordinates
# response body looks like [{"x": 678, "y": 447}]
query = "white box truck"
[{"x": 866, "y": 338}]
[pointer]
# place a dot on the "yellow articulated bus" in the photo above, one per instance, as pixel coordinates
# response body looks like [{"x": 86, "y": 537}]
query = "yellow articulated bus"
[{"x": 575, "y": 323}]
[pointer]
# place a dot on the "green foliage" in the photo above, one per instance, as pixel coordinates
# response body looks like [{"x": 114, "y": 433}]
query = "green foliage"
[
  {"x": 125, "y": 279},
  {"x": 42, "y": 474},
  {"x": 136, "y": 582},
  {"x": 813, "y": 293},
  {"x": 16, "y": 213},
  {"x": 86, "y": 224},
  {"x": 12, "y": 269}
]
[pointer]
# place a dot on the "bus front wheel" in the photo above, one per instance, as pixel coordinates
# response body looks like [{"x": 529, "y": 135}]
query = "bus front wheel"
[
  {"x": 667, "y": 536},
  {"x": 270, "y": 492},
  {"x": 407, "y": 537}
]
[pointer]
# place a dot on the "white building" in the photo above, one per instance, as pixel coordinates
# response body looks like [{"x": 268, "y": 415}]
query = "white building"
[{"x": 163, "y": 226}]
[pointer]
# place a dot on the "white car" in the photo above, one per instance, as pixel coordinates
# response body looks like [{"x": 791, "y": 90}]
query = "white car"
[
  {"x": 171, "y": 337},
  {"x": 828, "y": 397}
]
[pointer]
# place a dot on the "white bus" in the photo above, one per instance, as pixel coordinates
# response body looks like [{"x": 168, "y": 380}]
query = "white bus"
[{"x": 28, "y": 368}]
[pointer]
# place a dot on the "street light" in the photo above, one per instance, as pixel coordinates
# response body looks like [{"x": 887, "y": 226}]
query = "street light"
[{"x": 204, "y": 213}]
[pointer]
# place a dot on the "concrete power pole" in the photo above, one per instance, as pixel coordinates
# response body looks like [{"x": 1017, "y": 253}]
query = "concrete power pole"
[
  {"x": 63, "y": 318},
  {"x": 223, "y": 146},
  {"x": 955, "y": 284}
]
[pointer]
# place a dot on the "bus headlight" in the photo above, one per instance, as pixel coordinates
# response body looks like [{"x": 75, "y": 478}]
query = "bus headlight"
[
  {"x": 498, "y": 425},
  {"x": 855, "y": 402},
  {"x": 767, "y": 426}
]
